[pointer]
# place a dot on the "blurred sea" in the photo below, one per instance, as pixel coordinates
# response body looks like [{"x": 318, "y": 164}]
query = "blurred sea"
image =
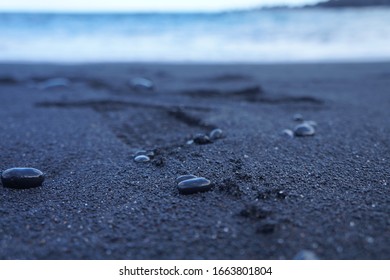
[{"x": 274, "y": 35}]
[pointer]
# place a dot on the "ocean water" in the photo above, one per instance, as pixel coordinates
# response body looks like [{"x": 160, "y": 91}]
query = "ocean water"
[{"x": 258, "y": 36}]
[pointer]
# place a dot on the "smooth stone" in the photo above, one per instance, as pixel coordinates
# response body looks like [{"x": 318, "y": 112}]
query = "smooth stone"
[
  {"x": 201, "y": 139},
  {"x": 22, "y": 178},
  {"x": 144, "y": 153},
  {"x": 142, "y": 158},
  {"x": 185, "y": 177},
  {"x": 194, "y": 185},
  {"x": 298, "y": 117},
  {"x": 142, "y": 84},
  {"x": 216, "y": 134},
  {"x": 306, "y": 255},
  {"x": 312, "y": 123},
  {"x": 54, "y": 83},
  {"x": 288, "y": 132},
  {"x": 304, "y": 130}
]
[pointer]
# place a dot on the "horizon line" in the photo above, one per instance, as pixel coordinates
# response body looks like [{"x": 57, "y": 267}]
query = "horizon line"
[{"x": 144, "y": 11}]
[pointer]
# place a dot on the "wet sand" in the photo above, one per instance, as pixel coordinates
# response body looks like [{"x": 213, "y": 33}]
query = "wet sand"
[{"x": 272, "y": 196}]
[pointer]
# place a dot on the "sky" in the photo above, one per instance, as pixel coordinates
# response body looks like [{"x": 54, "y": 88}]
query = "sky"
[{"x": 139, "y": 5}]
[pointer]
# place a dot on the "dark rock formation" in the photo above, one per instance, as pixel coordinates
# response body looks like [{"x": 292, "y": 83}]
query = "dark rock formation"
[{"x": 352, "y": 3}]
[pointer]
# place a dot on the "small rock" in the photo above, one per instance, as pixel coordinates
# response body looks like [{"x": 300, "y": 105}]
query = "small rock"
[
  {"x": 202, "y": 139},
  {"x": 312, "y": 123},
  {"x": 304, "y": 130},
  {"x": 54, "y": 83},
  {"x": 140, "y": 153},
  {"x": 306, "y": 255},
  {"x": 144, "y": 153},
  {"x": 194, "y": 185},
  {"x": 216, "y": 134},
  {"x": 288, "y": 132},
  {"x": 142, "y": 158},
  {"x": 22, "y": 178},
  {"x": 298, "y": 117},
  {"x": 185, "y": 177},
  {"x": 142, "y": 84}
]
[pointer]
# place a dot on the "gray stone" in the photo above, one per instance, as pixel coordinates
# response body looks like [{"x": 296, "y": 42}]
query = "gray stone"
[
  {"x": 304, "y": 129},
  {"x": 216, "y": 134},
  {"x": 185, "y": 177},
  {"x": 194, "y": 185},
  {"x": 298, "y": 117},
  {"x": 288, "y": 132},
  {"x": 141, "y": 158},
  {"x": 202, "y": 139},
  {"x": 141, "y": 84}
]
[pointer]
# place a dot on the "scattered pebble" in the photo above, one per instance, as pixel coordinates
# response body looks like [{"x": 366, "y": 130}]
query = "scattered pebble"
[
  {"x": 312, "y": 123},
  {"x": 144, "y": 153},
  {"x": 190, "y": 186},
  {"x": 306, "y": 255},
  {"x": 54, "y": 83},
  {"x": 216, "y": 134},
  {"x": 22, "y": 178},
  {"x": 288, "y": 132},
  {"x": 185, "y": 177},
  {"x": 298, "y": 117},
  {"x": 142, "y": 84},
  {"x": 304, "y": 130},
  {"x": 202, "y": 139},
  {"x": 142, "y": 158},
  {"x": 140, "y": 153}
]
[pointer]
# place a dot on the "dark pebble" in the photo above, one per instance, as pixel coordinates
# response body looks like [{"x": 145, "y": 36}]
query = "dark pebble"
[
  {"x": 202, "y": 139},
  {"x": 141, "y": 158},
  {"x": 142, "y": 84},
  {"x": 22, "y": 178},
  {"x": 185, "y": 177},
  {"x": 304, "y": 130},
  {"x": 216, "y": 134},
  {"x": 298, "y": 117},
  {"x": 194, "y": 185},
  {"x": 312, "y": 123},
  {"x": 144, "y": 153},
  {"x": 267, "y": 228},
  {"x": 288, "y": 132}
]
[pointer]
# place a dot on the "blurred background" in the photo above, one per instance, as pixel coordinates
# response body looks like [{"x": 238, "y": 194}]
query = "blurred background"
[{"x": 194, "y": 31}]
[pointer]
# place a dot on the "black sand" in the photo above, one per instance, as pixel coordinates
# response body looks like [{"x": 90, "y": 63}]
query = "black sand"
[{"x": 272, "y": 197}]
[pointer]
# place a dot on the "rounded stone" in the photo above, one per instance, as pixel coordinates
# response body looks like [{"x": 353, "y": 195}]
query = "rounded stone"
[
  {"x": 144, "y": 153},
  {"x": 185, "y": 177},
  {"x": 216, "y": 134},
  {"x": 142, "y": 158},
  {"x": 142, "y": 84},
  {"x": 312, "y": 123},
  {"x": 194, "y": 185},
  {"x": 288, "y": 132},
  {"x": 22, "y": 178},
  {"x": 304, "y": 130},
  {"x": 298, "y": 117},
  {"x": 201, "y": 139}
]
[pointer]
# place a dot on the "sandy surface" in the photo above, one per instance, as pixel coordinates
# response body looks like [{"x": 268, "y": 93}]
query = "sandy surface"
[{"x": 273, "y": 196}]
